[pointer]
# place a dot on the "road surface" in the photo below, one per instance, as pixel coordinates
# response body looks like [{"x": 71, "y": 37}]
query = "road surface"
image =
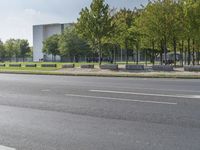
[{"x": 93, "y": 113}]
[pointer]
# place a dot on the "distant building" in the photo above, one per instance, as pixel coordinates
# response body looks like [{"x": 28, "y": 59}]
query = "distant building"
[{"x": 41, "y": 33}]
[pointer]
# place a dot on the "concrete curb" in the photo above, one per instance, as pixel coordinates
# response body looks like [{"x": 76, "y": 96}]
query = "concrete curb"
[{"x": 103, "y": 75}]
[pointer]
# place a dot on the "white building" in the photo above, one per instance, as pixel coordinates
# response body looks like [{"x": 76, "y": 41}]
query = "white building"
[{"x": 42, "y": 32}]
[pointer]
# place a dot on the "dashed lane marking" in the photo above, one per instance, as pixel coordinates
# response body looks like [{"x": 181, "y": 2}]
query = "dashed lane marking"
[
  {"x": 147, "y": 94},
  {"x": 122, "y": 99}
]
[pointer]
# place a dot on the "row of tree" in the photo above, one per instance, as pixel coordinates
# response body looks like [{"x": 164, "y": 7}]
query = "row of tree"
[
  {"x": 160, "y": 27},
  {"x": 172, "y": 25},
  {"x": 14, "y": 48}
]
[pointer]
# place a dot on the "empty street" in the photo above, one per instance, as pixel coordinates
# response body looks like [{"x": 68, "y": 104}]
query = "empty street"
[{"x": 94, "y": 113}]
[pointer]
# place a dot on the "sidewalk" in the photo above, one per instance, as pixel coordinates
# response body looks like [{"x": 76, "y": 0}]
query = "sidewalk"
[
  {"x": 148, "y": 73},
  {"x": 178, "y": 73}
]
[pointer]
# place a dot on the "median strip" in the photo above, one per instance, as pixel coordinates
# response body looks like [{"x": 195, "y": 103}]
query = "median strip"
[
  {"x": 121, "y": 99},
  {"x": 147, "y": 94}
]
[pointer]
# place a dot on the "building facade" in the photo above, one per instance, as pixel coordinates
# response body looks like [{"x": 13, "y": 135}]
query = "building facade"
[{"x": 40, "y": 34}]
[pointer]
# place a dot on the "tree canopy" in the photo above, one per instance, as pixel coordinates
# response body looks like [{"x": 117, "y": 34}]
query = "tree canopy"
[
  {"x": 51, "y": 45},
  {"x": 71, "y": 45},
  {"x": 95, "y": 24},
  {"x": 159, "y": 28}
]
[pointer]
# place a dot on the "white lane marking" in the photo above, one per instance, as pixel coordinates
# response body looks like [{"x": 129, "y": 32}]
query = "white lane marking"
[
  {"x": 121, "y": 99},
  {"x": 147, "y": 94},
  {"x": 196, "y": 96},
  {"x": 6, "y": 148},
  {"x": 172, "y": 90},
  {"x": 45, "y": 90}
]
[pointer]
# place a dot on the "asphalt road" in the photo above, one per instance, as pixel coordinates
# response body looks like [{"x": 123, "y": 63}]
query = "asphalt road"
[{"x": 93, "y": 113}]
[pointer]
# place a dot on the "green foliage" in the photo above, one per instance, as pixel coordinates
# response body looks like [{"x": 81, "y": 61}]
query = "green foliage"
[
  {"x": 95, "y": 24},
  {"x": 14, "y": 48},
  {"x": 24, "y": 48},
  {"x": 126, "y": 33},
  {"x": 51, "y": 45},
  {"x": 71, "y": 45},
  {"x": 160, "y": 26},
  {"x": 11, "y": 48},
  {"x": 165, "y": 23},
  {"x": 123, "y": 20},
  {"x": 2, "y": 51}
]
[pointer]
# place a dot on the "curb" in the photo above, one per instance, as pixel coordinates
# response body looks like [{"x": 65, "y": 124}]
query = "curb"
[{"x": 103, "y": 75}]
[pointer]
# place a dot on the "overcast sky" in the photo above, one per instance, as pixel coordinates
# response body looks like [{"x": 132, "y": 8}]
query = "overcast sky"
[{"x": 18, "y": 16}]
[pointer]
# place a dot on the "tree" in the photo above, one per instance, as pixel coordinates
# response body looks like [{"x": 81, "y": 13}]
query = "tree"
[
  {"x": 160, "y": 22},
  {"x": 24, "y": 48},
  {"x": 11, "y": 48},
  {"x": 123, "y": 21},
  {"x": 71, "y": 45},
  {"x": 149, "y": 26},
  {"x": 16, "y": 48},
  {"x": 2, "y": 51},
  {"x": 192, "y": 8},
  {"x": 94, "y": 24},
  {"x": 51, "y": 46},
  {"x": 190, "y": 21}
]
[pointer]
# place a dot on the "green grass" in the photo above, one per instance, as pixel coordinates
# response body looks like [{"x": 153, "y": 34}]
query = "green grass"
[
  {"x": 38, "y": 68},
  {"x": 27, "y": 68},
  {"x": 59, "y": 64}
]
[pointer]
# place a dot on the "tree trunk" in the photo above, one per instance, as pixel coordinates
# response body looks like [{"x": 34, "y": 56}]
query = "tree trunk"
[
  {"x": 100, "y": 55},
  {"x": 153, "y": 44},
  {"x": 197, "y": 57},
  {"x": 181, "y": 52},
  {"x": 93, "y": 52},
  {"x": 121, "y": 55},
  {"x": 193, "y": 52},
  {"x": 146, "y": 57},
  {"x": 137, "y": 56},
  {"x": 161, "y": 53},
  {"x": 189, "y": 53},
  {"x": 126, "y": 46},
  {"x": 185, "y": 59},
  {"x": 165, "y": 50},
  {"x": 115, "y": 49},
  {"x": 174, "y": 43},
  {"x": 161, "y": 58}
]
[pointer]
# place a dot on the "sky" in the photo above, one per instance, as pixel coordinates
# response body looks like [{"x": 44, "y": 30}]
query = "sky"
[{"x": 18, "y": 16}]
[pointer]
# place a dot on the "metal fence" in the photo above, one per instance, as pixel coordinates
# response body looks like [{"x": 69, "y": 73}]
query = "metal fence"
[{"x": 16, "y": 60}]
